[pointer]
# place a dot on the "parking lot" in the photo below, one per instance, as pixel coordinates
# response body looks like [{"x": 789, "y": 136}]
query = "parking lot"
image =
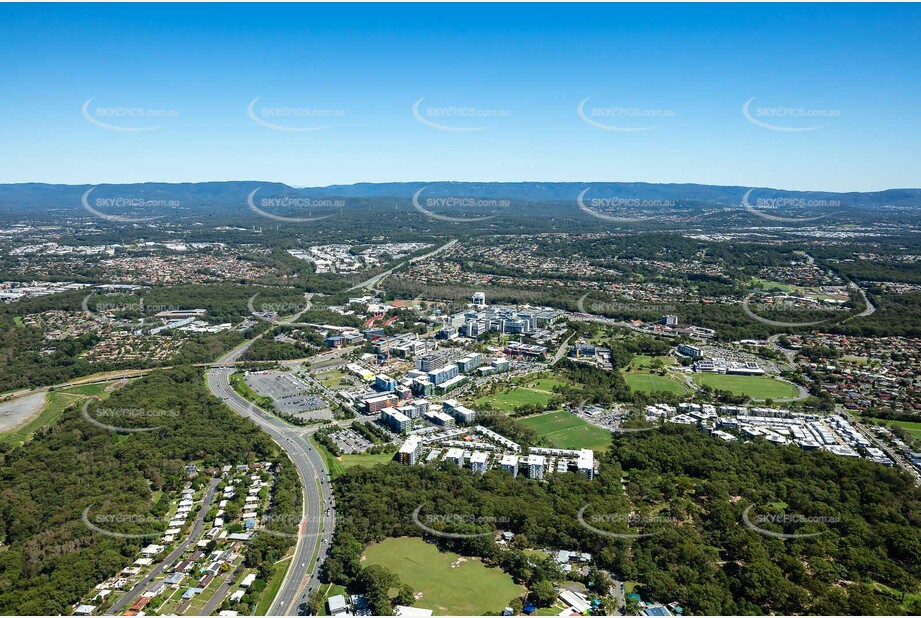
[
  {"x": 290, "y": 394},
  {"x": 350, "y": 441}
]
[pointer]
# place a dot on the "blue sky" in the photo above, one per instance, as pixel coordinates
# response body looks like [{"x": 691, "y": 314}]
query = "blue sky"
[{"x": 666, "y": 82}]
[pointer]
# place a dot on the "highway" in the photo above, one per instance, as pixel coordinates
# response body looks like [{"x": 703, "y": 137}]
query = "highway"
[
  {"x": 318, "y": 515},
  {"x": 370, "y": 283},
  {"x": 174, "y": 555}
]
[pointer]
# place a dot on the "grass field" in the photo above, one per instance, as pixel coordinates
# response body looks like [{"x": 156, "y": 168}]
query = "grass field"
[
  {"x": 238, "y": 383},
  {"x": 365, "y": 459},
  {"x": 331, "y": 379},
  {"x": 448, "y": 587},
  {"x": 650, "y": 383},
  {"x": 90, "y": 390},
  {"x": 330, "y": 590},
  {"x": 511, "y": 400},
  {"x": 641, "y": 361},
  {"x": 271, "y": 588},
  {"x": 565, "y": 430},
  {"x": 912, "y": 427},
  {"x": 334, "y": 466},
  {"x": 756, "y": 387}
]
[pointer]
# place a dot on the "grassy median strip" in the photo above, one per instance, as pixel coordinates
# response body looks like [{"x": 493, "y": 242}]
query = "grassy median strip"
[{"x": 272, "y": 587}]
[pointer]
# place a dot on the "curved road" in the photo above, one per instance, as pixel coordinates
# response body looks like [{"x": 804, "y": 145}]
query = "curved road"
[{"x": 318, "y": 516}]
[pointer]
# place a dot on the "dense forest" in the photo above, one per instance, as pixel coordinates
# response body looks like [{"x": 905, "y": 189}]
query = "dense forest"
[
  {"x": 50, "y": 559},
  {"x": 691, "y": 492}
]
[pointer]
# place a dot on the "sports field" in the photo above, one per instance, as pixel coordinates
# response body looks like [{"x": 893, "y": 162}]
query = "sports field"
[
  {"x": 450, "y": 584},
  {"x": 512, "y": 399},
  {"x": 531, "y": 389},
  {"x": 565, "y": 430},
  {"x": 650, "y": 383},
  {"x": 756, "y": 387}
]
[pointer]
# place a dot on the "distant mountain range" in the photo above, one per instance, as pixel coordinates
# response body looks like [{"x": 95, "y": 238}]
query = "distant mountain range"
[{"x": 232, "y": 195}]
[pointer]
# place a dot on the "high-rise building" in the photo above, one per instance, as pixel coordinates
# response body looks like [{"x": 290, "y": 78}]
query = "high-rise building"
[
  {"x": 479, "y": 299},
  {"x": 536, "y": 464},
  {"x": 479, "y": 461},
  {"x": 509, "y": 463},
  {"x": 410, "y": 451}
]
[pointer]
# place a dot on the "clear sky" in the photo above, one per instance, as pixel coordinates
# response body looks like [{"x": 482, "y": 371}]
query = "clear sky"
[{"x": 513, "y": 76}]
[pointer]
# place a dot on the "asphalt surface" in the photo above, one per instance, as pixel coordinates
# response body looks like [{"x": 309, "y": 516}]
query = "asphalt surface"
[
  {"x": 174, "y": 555},
  {"x": 318, "y": 521}
]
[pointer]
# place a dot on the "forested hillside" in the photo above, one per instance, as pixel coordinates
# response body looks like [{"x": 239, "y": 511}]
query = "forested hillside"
[
  {"x": 49, "y": 558},
  {"x": 691, "y": 491}
]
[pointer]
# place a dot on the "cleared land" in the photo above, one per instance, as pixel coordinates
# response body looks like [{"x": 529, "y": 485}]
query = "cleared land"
[
  {"x": 450, "y": 584},
  {"x": 565, "y": 430},
  {"x": 650, "y": 383},
  {"x": 53, "y": 409},
  {"x": 20, "y": 411},
  {"x": 365, "y": 459},
  {"x": 756, "y": 387}
]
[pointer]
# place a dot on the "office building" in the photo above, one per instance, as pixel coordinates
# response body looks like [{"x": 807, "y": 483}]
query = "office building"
[
  {"x": 384, "y": 383},
  {"x": 396, "y": 420},
  {"x": 379, "y": 402},
  {"x": 443, "y": 374}
]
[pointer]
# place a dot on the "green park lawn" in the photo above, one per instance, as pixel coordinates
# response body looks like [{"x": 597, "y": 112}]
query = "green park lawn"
[
  {"x": 365, "y": 459},
  {"x": 448, "y": 587},
  {"x": 514, "y": 398},
  {"x": 912, "y": 427},
  {"x": 756, "y": 387},
  {"x": 565, "y": 430},
  {"x": 650, "y": 383},
  {"x": 642, "y": 361}
]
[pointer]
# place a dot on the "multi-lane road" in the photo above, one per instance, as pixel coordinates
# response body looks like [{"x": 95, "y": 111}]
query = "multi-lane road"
[{"x": 318, "y": 515}]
